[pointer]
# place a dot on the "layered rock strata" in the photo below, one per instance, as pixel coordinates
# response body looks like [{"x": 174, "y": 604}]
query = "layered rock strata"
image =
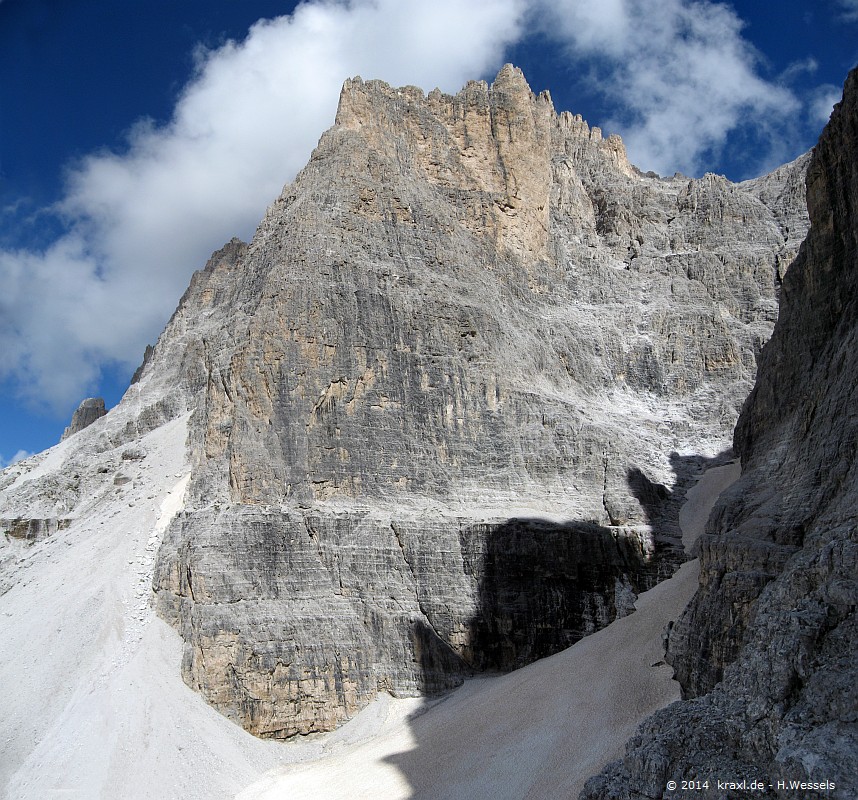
[
  {"x": 445, "y": 404},
  {"x": 767, "y": 647},
  {"x": 31, "y": 529}
]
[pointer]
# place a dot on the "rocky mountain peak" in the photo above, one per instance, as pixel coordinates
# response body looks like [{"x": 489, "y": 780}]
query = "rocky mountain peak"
[
  {"x": 442, "y": 409},
  {"x": 89, "y": 410}
]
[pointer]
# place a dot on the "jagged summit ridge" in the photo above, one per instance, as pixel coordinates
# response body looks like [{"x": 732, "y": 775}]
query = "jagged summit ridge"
[
  {"x": 498, "y": 140},
  {"x": 469, "y": 351}
]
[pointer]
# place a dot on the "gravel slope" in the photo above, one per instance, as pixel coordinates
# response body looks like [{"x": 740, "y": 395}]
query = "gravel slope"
[{"x": 94, "y": 705}]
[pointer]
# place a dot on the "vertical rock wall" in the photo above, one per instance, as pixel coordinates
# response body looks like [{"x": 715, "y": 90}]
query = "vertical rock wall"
[
  {"x": 768, "y": 645},
  {"x": 444, "y": 404},
  {"x": 422, "y": 389}
]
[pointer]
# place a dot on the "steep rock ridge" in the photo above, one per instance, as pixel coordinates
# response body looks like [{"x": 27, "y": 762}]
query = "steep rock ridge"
[
  {"x": 774, "y": 619},
  {"x": 439, "y": 401}
]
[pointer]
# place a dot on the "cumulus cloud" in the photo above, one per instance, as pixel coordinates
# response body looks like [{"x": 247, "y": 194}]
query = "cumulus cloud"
[
  {"x": 680, "y": 73},
  {"x": 138, "y": 222}
]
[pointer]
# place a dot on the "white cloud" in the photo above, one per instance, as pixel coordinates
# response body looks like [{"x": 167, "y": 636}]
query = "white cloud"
[
  {"x": 823, "y": 100},
  {"x": 19, "y": 456},
  {"x": 797, "y": 68},
  {"x": 680, "y": 72},
  {"x": 850, "y": 9},
  {"x": 139, "y": 222}
]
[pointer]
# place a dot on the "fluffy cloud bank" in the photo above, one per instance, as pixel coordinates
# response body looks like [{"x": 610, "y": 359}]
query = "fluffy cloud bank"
[
  {"x": 679, "y": 73},
  {"x": 138, "y": 222}
]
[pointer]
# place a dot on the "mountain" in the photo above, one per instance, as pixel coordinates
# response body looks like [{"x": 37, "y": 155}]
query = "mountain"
[
  {"x": 765, "y": 653},
  {"x": 437, "y": 418},
  {"x": 424, "y": 386}
]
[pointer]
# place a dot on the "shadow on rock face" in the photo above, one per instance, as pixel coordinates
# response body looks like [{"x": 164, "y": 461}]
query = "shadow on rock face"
[
  {"x": 542, "y": 586},
  {"x": 651, "y": 496},
  {"x": 661, "y": 505},
  {"x": 437, "y": 660}
]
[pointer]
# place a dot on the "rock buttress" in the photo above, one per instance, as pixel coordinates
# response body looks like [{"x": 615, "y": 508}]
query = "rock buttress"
[{"x": 767, "y": 646}]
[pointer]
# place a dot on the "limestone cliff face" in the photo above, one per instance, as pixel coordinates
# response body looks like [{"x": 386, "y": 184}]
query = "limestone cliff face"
[
  {"x": 445, "y": 403},
  {"x": 460, "y": 307},
  {"x": 768, "y": 644},
  {"x": 91, "y": 409}
]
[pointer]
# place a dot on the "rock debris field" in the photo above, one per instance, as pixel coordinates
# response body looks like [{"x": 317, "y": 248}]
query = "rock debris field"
[{"x": 99, "y": 709}]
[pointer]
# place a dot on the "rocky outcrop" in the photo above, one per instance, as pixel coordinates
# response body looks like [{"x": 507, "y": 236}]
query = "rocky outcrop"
[
  {"x": 90, "y": 409},
  {"x": 418, "y": 383},
  {"x": 445, "y": 404},
  {"x": 767, "y": 647},
  {"x": 31, "y": 530}
]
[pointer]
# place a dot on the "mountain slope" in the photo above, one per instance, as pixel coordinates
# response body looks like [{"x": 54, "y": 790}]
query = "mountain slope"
[{"x": 442, "y": 410}]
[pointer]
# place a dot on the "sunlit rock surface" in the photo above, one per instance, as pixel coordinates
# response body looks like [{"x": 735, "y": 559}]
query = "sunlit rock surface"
[
  {"x": 87, "y": 412},
  {"x": 768, "y": 645},
  {"x": 444, "y": 405}
]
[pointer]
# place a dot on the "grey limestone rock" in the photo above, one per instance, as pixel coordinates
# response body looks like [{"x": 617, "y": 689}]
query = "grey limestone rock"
[
  {"x": 90, "y": 409},
  {"x": 444, "y": 405},
  {"x": 421, "y": 391},
  {"x": 766, "y": 650},
  {"x": 31, "y": 529}
]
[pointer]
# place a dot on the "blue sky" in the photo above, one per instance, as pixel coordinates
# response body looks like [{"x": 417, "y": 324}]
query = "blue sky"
[{"x": 137, "y": 137}]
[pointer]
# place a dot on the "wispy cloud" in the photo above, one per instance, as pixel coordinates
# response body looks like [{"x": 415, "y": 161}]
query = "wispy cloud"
[
  {"x": 822, "y": 102},
  {"x": 680, "y": 72},
  {"x": 797, "y": 68},
  {"x": 19, "y": 456},
  {"x": 850, "y": 9}
]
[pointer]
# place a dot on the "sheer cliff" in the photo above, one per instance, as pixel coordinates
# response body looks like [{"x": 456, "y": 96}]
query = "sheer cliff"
[
  {"x": 443, "y": 407},
  {"x": 767, "y": 647}
]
